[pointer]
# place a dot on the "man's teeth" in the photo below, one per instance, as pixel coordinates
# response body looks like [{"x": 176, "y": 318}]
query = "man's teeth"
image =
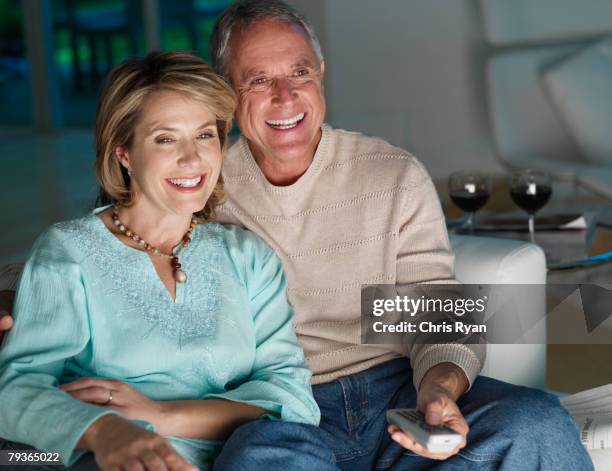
[
  {"x": 184, "y": 182},
  {"x": 286, "y": 123}
]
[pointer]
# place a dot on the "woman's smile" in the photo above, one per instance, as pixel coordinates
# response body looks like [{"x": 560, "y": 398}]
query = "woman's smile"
[{"x": 187, "y": 184}]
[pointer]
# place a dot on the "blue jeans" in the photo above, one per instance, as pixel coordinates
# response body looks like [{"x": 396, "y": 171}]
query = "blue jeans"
[{"x": 511, "y": 428}]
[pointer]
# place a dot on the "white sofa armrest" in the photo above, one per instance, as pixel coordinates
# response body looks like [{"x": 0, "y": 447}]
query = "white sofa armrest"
[{"x": 488, "y": 260}]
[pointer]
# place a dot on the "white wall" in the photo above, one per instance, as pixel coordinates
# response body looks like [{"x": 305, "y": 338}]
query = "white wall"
[{"x": 411, "y": 71}]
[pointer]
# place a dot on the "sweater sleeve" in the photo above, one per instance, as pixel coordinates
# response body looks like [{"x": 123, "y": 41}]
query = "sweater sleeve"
[
  {"x": 280, "y": 377},
  {"x": 425, "y": 257},
  {"x": 51, "y": 327}
]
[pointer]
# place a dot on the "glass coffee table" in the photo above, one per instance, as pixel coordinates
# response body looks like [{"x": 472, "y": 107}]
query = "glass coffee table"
[
  {"x": 566, "y": 250},
  {"x": 570, "y": 367}
]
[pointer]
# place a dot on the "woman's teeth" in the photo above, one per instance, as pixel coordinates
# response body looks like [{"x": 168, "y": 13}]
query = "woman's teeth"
[
  {"x": 285, "y": 123},
  {"x": 186, "y": 183}
]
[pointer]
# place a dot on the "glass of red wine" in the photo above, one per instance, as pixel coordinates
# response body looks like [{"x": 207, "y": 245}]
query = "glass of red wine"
[
  {"x": 530, "y": 190},
  {"x": 470, "y": 192}
]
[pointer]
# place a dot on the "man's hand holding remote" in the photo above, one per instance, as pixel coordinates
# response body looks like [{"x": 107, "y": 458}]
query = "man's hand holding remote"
[{"x": 437, "y": 399}]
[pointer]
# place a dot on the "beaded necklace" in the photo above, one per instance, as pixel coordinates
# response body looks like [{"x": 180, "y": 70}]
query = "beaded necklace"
[{"x": 179, "y": 275}]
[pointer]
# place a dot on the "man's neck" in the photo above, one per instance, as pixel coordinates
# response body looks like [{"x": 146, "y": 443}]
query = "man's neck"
[{"x": 281, "y": 171}]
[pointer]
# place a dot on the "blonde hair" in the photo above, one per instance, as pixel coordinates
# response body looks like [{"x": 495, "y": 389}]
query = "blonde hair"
[{"x": 124, "y": 93}]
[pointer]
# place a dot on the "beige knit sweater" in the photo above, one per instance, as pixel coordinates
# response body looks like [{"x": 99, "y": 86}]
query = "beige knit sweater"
[{"x": 364, "y": 212}]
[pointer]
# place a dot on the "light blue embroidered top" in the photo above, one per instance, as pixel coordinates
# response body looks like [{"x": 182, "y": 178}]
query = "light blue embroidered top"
[{"x": 89, "y": 305}]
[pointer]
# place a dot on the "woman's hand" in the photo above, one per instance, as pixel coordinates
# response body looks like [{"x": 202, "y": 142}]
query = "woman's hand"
[
  {"x": 117, "y": 396},
  {"x": 119, "y": 445},
  {"x": 213, "y": 419}
]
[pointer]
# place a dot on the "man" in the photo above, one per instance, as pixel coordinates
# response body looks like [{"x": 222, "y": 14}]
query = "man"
[{"x": 343, "y": 210}]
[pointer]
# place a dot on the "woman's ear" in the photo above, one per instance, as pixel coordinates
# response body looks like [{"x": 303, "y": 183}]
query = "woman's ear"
[{"x": 123, "y": 157}]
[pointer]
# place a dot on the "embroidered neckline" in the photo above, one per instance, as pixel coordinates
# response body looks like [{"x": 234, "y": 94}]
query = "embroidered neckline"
[{"x": 131, "y": 276}]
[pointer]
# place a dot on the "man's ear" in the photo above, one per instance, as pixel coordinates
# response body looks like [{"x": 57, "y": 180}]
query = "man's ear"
[
  {"x": 322, "y": 67},
  {"x": 123, "y": 156}
]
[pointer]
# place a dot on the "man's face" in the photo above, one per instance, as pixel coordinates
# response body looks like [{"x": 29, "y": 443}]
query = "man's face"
[{"x": 279, "y": 81}]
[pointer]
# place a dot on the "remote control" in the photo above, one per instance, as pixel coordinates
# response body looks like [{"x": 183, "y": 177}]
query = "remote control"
[{"x": 436, "y": 438}]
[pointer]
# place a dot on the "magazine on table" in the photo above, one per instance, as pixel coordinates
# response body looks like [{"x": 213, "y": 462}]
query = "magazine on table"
[
  {"x": 518, "y": 223},
  {"x": 592, "y": 412},
  {"x": 563, "y": 237}
]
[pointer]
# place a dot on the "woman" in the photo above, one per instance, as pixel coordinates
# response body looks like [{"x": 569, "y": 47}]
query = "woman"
[{"x": 188, "y": 317}]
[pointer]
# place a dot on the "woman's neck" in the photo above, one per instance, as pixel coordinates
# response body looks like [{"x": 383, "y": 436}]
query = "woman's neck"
[{"x": 162, "y": 230}]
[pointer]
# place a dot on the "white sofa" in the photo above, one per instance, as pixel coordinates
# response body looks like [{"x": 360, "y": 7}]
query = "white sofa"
[{"x": 487, "y": 260}]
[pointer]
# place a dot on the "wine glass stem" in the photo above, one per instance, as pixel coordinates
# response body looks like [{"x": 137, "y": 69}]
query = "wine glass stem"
[
  {"x": 532, "y": 227},
  {"x": 469, "y": 224}
]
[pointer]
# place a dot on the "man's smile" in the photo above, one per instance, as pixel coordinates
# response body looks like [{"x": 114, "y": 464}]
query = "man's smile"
[{"x": 283, "y": 124}]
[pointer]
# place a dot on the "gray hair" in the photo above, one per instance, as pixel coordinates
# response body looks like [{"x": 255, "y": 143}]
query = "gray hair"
[{"x": 245, "y": 13}]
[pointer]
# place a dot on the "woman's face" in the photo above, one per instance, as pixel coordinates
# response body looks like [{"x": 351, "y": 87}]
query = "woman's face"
[{"x": 175, "y": 156}]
